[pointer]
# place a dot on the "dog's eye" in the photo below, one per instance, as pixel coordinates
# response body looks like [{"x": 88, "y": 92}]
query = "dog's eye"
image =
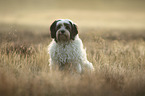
[
  {"x": 58, "y": 27},
  {"x": 67, "y": 27}
]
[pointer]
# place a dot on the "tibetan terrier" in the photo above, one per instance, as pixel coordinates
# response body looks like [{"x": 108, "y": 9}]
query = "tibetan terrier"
[{"x": 66, "y": 49}]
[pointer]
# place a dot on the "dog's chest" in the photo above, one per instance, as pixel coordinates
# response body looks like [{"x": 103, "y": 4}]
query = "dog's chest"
[{"x": 66, "y": 53}]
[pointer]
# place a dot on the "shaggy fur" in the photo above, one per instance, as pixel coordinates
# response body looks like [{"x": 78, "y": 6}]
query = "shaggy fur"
[{"x": 68, "y": 55}]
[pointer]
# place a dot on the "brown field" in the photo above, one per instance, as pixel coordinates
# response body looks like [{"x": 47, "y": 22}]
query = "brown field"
[{"x": 113, "y": 33}]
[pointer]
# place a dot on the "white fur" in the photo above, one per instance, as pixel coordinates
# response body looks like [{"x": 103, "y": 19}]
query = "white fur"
[{"x": 71, "y": 52}]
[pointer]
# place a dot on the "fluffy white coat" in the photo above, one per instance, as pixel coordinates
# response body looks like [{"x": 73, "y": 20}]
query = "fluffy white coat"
[{"x": 71, "y": 52}]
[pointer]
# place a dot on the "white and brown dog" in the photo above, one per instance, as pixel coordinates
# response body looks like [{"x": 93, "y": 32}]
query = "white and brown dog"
[{"x": 66, "y": 49}]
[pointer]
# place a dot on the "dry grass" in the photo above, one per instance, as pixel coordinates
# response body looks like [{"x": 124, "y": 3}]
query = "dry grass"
[
  {"x": 118, "y": 57},
  {"x": 113, "y": 32}
]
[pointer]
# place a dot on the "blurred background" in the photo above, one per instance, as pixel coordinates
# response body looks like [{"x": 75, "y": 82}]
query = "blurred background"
[{"x": 93, "y": 14}]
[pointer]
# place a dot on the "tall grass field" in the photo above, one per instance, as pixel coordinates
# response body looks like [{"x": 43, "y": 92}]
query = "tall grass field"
[
  {"x": 113, "y": 33},
  {"x": 118, "y": 58}
]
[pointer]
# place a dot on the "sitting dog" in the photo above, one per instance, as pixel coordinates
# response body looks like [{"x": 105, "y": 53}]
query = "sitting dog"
[{"x": 66, "y": 49}]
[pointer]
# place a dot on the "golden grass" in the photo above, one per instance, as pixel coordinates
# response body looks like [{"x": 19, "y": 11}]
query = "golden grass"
[
  {"x": 118, "y": 58},
  {"x": 117, "y": 51}
]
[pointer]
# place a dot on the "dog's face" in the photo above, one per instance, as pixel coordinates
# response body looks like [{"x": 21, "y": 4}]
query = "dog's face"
[{"x": 63, "y": 30}]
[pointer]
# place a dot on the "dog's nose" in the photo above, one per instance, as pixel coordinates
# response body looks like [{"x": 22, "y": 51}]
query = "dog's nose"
[{"x": 62, "y": 31}]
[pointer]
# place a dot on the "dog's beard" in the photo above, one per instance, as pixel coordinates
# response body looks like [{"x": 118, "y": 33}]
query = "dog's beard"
[{"x": 63, "y": 38}]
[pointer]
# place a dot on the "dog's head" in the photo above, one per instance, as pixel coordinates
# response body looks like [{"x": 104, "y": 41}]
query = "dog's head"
[{"x": 63, "y": 30}]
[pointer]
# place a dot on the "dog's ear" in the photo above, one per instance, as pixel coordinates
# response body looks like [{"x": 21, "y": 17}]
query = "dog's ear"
[
  {"x": 53, "y": 29},
  {"x": 74, "y": 31}
]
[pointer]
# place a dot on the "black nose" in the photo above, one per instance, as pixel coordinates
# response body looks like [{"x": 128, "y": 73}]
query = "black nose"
[{"x": 62, "y": 31}]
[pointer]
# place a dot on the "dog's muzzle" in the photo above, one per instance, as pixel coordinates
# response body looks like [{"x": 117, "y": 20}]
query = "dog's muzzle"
[{"x": 63, "y": 35}]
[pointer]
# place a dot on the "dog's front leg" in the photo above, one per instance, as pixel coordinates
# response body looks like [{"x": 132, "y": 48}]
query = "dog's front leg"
[{"x": 79, "y": 68}]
